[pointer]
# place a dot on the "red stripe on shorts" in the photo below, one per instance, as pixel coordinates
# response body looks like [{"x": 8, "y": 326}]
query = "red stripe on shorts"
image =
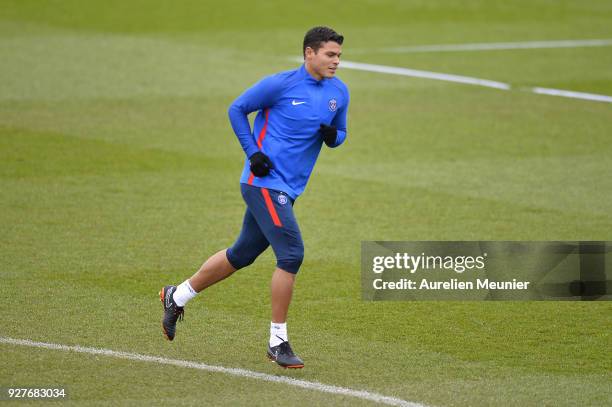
[{"x": 271, "y": 208}]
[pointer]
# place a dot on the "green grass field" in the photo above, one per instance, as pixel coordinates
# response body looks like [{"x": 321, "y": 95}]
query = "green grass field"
[{"x": 119, "y": 174}]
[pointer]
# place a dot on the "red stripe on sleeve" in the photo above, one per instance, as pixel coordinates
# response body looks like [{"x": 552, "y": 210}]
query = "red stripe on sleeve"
[
  {"x": 262, "y": 134},
  {"x": 264, "y": 129}
]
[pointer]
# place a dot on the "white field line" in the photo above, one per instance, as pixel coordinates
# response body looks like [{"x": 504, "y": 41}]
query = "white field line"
[
  {"x": 572, "y": 94},
  {"x": 493, "y": 46},
  {"x": 324, "y": 388},
  {"x": 469, "y": 80},
  {"x": 424, "y": 74}
]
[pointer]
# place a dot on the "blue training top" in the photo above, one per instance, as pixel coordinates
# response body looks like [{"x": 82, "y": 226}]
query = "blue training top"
[{"x": 292, "y": 105}]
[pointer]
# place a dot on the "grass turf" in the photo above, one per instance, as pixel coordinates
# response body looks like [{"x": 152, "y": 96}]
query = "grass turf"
[{"x": 119, "y": 173}]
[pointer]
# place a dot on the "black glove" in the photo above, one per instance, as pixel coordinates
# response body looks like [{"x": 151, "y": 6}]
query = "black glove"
[
  {"x": 260, "y": 164},
  {"x": 329, "y": 134}
]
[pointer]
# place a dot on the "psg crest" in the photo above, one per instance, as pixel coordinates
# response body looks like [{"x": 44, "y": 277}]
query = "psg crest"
[
  {"x": 333, "y": 105},
  {"x": 282, "y": 199}
]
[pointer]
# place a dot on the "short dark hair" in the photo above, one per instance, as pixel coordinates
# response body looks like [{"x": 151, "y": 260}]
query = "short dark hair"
[{"x": 315, "y": 37}]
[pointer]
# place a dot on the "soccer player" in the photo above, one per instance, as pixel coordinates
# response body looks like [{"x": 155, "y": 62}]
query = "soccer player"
[{"x": 298, "y": 111}]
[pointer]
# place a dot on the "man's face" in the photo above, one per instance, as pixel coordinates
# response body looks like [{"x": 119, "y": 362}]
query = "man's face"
[{"x": 324, "y": 62}]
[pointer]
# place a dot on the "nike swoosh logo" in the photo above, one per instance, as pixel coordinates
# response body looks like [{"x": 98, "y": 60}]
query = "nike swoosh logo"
[{"x": 294, "y": 103}]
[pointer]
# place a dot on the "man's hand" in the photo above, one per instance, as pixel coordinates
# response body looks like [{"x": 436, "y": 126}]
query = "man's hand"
[
  {"x": 260, "y": 164},
  {"x": 329, "y": 134}
]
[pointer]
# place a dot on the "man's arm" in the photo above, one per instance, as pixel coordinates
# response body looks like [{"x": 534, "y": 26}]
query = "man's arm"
[
  {"x": 340, "y": 123},
  {"x": 261, "y": 95}
]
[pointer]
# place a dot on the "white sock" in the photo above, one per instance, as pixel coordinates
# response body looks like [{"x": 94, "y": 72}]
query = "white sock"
[
  {"x": 278, "y": 333},
  {"x": 183, "y": 293}
]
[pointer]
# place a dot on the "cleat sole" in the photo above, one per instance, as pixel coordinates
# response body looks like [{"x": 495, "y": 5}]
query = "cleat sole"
[{"x": 284, "y": 367}]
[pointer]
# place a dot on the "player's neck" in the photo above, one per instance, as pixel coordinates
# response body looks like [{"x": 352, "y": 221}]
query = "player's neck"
[{"x": 311, "y": 71}]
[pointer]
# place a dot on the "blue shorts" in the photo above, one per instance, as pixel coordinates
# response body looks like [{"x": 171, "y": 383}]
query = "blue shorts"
[{"x": 268, "y": 220}]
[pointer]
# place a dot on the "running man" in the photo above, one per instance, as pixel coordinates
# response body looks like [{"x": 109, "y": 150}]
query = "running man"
[{"x": 298, "y": 111}]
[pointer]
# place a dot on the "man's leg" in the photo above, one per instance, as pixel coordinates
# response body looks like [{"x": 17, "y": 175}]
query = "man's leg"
[
  {"x": 215, "y": 269},
  {"x": 279, "y": 350},
  {"x": 273, "y": 211},
  {"x": 249, "y": 245},
  {"x": 281, "y": 291}
]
